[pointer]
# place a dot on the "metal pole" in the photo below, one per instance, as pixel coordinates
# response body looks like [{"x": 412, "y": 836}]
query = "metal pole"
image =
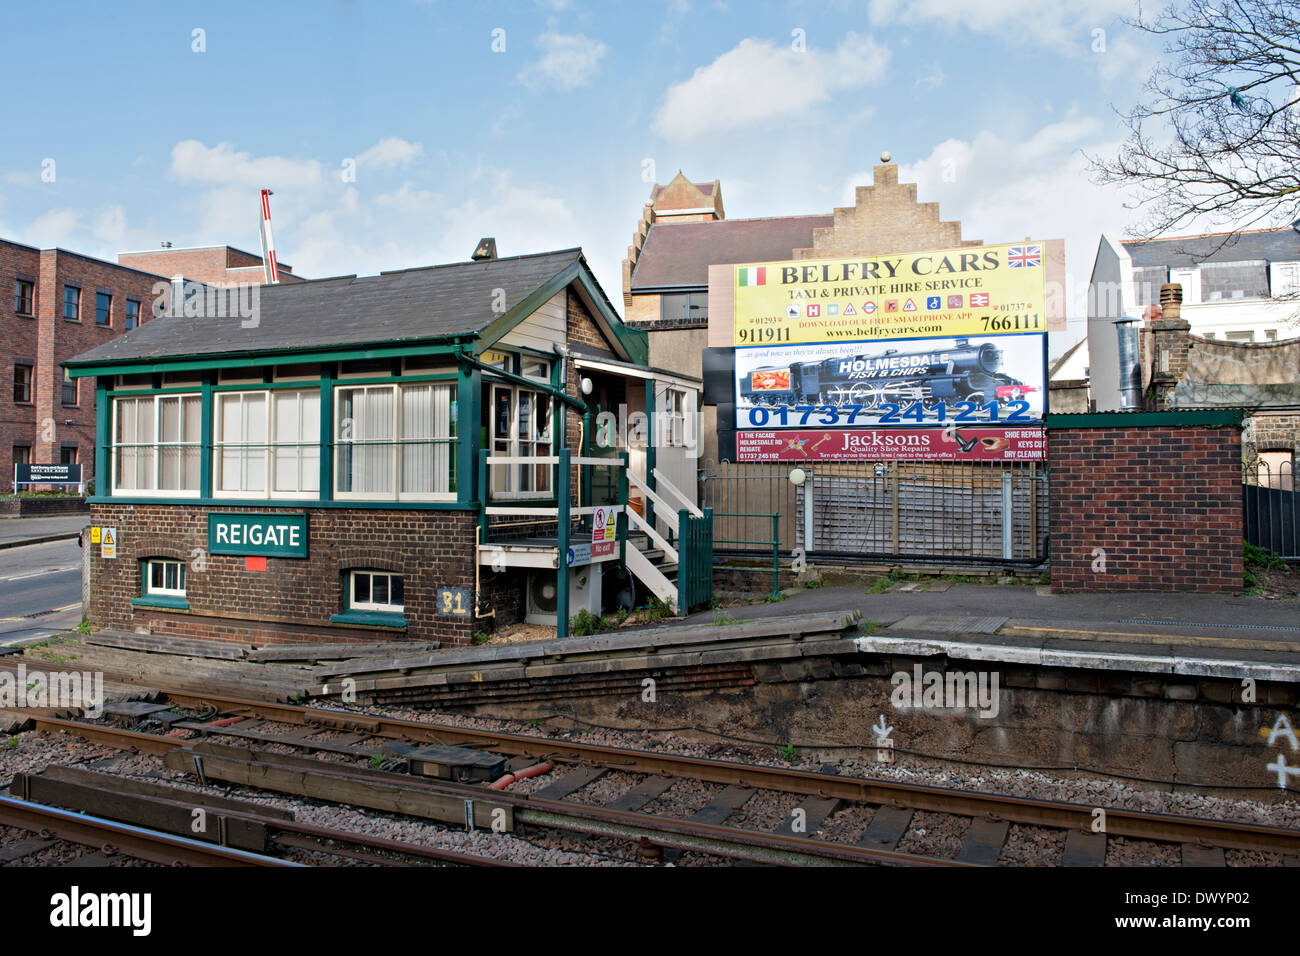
[
  {"x": 776, "y": 554},
  {"x": 562, "y": 551},
  {"x": 1008, "y": 540},
  {"x": 808, "y": 514},
  {"x": 893, "y": 505}
]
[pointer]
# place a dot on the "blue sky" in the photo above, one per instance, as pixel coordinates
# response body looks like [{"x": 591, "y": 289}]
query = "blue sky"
[{"x": 554, "y": 141}]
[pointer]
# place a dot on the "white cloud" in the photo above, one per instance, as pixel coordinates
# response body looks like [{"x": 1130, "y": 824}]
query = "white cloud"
[
  {"x": 110, "y": 226},
  {"x": 389, "y": 152},
  {"x": 568, "y": 61},
  {"x": 54, "y": 228},
  {"x": 1063, "y": 25},
  {"x": 222, "y": 165},
  {"x": 759, "y": 83},
  {"x": 933, "y": 76}
]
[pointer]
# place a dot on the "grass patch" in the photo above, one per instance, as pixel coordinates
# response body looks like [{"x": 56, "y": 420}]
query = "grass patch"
[
  {"x": 1255, "y": 561},
  {"x": 586, "y": 624}
]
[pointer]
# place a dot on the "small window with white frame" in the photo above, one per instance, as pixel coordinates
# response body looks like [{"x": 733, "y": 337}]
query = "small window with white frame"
[
  {"x": 674, "y": 429},
  {"x": 376, "y": 591},
  {"x": 164, "y": 577}
]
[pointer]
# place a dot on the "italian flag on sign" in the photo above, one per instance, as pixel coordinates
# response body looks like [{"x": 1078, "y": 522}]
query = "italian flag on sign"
[{"x": 752, "y": 275}]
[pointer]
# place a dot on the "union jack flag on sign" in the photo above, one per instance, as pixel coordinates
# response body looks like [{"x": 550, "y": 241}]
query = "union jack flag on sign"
[{"x": 1020, "y": 257}]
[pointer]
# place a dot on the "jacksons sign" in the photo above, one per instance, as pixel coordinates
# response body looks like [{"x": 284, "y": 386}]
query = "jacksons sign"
[
  {"x": 967, "y": 291},
  {"x": 271, "y": 536}
]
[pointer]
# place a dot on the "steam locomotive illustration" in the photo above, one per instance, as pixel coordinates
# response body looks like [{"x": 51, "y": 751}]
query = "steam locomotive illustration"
[{"x": 964, "y": 372}]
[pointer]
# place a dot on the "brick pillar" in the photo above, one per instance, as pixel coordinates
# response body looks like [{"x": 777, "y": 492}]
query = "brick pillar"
[
  {"x": 1171, "y": 338},
  {"x": 47, "y": 374}
]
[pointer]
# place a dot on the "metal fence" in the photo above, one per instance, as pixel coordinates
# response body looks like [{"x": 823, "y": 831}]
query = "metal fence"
[
  {"x": 1268, "y": 507},
  {"x": 985, "y": 512}
]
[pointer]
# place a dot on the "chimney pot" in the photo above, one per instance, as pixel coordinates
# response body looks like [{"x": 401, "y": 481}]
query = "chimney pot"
[{"x": 1171, "y": 300}]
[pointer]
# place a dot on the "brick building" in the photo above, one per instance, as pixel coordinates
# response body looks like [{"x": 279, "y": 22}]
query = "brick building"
[
  {"x": 220, "y": 266},
  {"x": 375, "y": 456},
  {"x": 58, "y": 304}
]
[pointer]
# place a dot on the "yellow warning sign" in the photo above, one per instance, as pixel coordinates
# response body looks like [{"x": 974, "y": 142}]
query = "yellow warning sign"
[
  {"x": 94, "y": 535},
  {"x": 108, "y": 543}
]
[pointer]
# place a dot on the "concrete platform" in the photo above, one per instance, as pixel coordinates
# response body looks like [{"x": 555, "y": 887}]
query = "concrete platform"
[{"x": 1195, "y": 634}]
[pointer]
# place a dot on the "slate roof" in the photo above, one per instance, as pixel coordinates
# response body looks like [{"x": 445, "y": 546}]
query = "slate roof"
[
  {"x": 679, "y": 254},
  {"x": 1272, "y": 245},
  {"x": 407, "y": 305}
]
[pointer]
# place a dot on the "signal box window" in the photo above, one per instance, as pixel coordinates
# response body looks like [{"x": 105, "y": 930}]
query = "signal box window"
[
  {"x": 164, "y": 578},
  {"x": 375, "y": 591}
]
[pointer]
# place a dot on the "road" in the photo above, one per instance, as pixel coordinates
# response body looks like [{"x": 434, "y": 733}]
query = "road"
[{"x": 40, "y": 590}]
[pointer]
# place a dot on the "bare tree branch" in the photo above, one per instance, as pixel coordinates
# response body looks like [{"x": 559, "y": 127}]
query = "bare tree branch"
[{"x": 1217, "y": 134}]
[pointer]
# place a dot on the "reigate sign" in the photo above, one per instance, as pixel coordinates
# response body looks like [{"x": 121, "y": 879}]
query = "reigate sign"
[{"x": 271, "y": 536}]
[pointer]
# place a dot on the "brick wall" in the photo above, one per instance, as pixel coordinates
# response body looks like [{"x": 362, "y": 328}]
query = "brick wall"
[
  {"x": 212, "y": 265},
  {"x": 1146, "y": 508},
  {"x": 47, "y": 338},
  {"x": 291, "y": 600},
  {"x": 884, "y": 218}
]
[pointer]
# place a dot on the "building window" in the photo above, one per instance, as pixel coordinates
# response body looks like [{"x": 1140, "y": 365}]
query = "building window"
[
  {"x": 22, "y": 454},
  {"x": 1234, "y": 280},
  {"x": 69, "y": 388},
  {"x": 23, "y": 384},
  {"x": 375, "y": 591},
  {"x": 684, "y": 305},
  {"x": 103, "y": 308},
  {"x": 268, "y": 443},
  {"x": 521, "y": 428},
  {"x": 71, "y": 302},
  {"x": 164, "y": 578},
  {"x": 674, "y": 427},
  {"x": 68, "y": 455},
  {"x": 156, "y": 444},
  {"x": 132, "y": 314},
  {"x": 395, "y": 442},
  {"x": 1239, "y": 336},
  {"x": 24, "y": 293}
]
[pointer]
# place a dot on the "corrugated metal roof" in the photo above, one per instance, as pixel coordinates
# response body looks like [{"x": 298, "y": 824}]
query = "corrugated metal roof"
[
  {"x": 1273, "y": 245},
  {"x": 680, "y": 253},
  {"x": 407, "y": 305}
]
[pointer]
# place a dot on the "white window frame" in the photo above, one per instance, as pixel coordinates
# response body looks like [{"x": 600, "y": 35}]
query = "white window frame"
[
  {"x": 390, "y": 608},
  {"x": 151, "y": 591},
  {"x": 675, "y": 411},
  {"x": 515, "y": 441},
  {"x": 396, "y": 494},
  {"x": 158, "y": 445},
  {"x": 269, "y": 446}
]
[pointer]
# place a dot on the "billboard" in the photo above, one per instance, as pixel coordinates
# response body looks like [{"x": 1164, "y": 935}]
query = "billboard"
[
  {"x": 956, "y": 443},
  {"x": 924, "y": 356},
  {"x": 965, "y": 381},
  {"x": 973, "y": 290}
]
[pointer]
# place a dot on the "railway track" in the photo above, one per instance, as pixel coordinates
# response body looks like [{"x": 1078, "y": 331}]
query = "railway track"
[
  {"x": 345, "y": 735},
  {"x": 108, "y": 838}
]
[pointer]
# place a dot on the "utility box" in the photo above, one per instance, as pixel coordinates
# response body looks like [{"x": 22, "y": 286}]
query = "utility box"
[{"x": 456, "y": 763}]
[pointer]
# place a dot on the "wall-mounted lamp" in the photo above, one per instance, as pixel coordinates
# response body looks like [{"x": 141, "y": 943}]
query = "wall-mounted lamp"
[{"x": 586, "y": 386}]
